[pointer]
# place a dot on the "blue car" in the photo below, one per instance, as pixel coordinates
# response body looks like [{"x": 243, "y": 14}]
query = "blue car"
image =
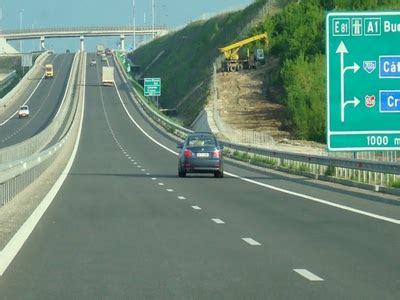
[{"x": 201, "y": 153}]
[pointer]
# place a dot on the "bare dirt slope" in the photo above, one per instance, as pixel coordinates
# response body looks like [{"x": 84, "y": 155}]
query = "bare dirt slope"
[{"x": 242, "y": 105}]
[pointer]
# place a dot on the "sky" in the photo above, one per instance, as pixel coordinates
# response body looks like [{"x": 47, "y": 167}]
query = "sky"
[{"x": 76, "y": 13}]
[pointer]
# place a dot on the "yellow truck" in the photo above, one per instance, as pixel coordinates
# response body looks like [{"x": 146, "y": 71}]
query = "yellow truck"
[
  {"x": 233, "y": 62},
  {"x": 49, "y": 71}
]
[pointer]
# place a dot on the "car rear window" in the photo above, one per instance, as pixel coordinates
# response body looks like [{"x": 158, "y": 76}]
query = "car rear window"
[{"x": 201, "y": 141}]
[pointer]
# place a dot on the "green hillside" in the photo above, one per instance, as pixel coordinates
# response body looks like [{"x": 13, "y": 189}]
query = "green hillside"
[{"x": 185, "y": 59}]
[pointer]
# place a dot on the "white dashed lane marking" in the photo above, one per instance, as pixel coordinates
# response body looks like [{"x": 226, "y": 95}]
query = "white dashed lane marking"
[
  {"x": 181, "y": 198},
  {"x": 154, "y": 178},
  {"x": 218, "y": 221},
  {"x": 307, "y": 274},
  {"x": 196, "y": 207},
  {"x": 160, "y": 184},
  {"x": 170, "y": 190},
  {"x": 251, "y": 242}
]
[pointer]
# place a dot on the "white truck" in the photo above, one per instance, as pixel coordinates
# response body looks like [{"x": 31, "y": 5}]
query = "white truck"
[
  {"x": 100, "y": 49},
  {"x": 108, "y": 76}
]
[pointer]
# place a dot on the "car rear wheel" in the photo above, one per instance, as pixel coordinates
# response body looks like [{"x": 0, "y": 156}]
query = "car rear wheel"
[{"x": 181, "y": 173}]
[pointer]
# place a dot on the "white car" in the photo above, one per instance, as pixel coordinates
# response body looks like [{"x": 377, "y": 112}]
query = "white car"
[
  {"x": 23, "y": 112},
  {"x": 93, "y": 62}
]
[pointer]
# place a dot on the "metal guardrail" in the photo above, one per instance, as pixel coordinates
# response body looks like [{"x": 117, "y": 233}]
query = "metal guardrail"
[
  {"x": 363, "y": 170},
  {"x": 39, "y": 141},
  {"x": 34, "y": 71},
  {"x": 16, "y": 176}
]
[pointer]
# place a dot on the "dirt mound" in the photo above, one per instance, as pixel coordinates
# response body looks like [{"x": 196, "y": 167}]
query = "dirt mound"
[{"x": 242, "y": 106}]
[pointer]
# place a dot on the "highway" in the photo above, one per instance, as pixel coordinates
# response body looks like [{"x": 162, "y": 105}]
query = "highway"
[
  {"x": 124, "y": 226},
  {"x": 43, "y": 102}
]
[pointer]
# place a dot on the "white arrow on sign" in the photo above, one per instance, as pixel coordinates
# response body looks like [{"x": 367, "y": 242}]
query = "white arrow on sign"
[
  {"x": 355, "y": 101},
  {"x": 342, "y": 50}
]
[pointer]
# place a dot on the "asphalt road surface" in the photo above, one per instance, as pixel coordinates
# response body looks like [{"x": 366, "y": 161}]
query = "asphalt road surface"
[{"x": 124, "y": 226}]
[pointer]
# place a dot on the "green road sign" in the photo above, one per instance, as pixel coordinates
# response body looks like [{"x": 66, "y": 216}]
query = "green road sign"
[
  {"x": 363, "y": 81},
  {"x": 152, "y": 87}
]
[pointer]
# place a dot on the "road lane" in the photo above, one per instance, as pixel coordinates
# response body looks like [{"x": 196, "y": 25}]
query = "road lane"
[
  {"x": 43, "y": 105},
  {"x": 114, "y": 232}
]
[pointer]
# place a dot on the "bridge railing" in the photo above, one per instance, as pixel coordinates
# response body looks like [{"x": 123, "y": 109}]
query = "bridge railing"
[
  {"x": 41, "y": 31},
  {"x": 16, "y": 176},
  {"x": 375, "y": 175}
]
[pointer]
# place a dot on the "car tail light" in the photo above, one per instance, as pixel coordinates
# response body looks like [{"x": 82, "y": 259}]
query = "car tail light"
[
  {"x": 217, "y": 154},
  {"x": 187, "y": 153}
]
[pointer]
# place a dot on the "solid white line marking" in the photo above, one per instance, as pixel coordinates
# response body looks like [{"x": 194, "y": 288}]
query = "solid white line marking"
[
  {"x": 252, "y": 242},
  {"x": 170, "y": 190},
  {"x": 343, "y": 207},
  {"x": 307, "y": 274},
  {"x": 196, "y": 207},
  {"x": 181, "y": 198},
  {"x": 218, "y": 221},
  {"x": 18, "y": 240}
]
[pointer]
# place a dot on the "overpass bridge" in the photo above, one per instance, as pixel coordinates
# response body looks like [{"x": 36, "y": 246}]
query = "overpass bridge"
[{"x": 82, "y": 33}]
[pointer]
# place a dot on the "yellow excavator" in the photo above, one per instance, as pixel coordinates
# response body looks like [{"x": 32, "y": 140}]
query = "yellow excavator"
[{"x": 233, "y": 62}]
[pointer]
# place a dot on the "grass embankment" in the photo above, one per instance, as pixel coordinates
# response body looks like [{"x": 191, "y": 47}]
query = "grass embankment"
[{"x": 185, "y": 59}]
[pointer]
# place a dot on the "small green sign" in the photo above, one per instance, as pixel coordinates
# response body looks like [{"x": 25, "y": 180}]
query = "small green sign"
[
  {"x": 152, "y": 87},
  {"x": 363, "y": 81}
]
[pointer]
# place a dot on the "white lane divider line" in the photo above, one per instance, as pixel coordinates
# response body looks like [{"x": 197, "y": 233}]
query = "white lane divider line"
[
  {"x": 161, "y": 184},
  {"x": 195, "y": 207},
  {"x": 218, "y": 221},
  {"x": 307, "y": 274},
  {"x": 148, "y": 174},
  {"x": 143, "y": 170},
  {"x": 139, "y": 166},
  {"x": 135, "y": 163},
  {"x": 154, "y": 178},
  {"x": 170, "y": 190},
  {"x": 251, "y": 242},
  {"x": 181, "y": 198}
]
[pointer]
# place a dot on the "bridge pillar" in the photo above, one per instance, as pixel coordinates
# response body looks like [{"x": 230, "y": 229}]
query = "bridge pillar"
[
  {"x": 82, "y": 38},
  {"x": 122, "y": 37},
  {"x": 42, "y": 46}
]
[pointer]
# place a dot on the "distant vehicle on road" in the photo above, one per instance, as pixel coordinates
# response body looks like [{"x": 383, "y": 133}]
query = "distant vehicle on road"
[
  {"x": 100, "y": 49},
  {"x": 103, "y": 57},
  {"x": 23, "y": 112},
  {"x": 201, "y": 153},
  {"x": 67, "y": 51},
  {"x": 92, "y": 62},
  {"x": 107, "y": 77},
  {"x": 108, "y": 51},
  {"x": 49, "y": 71}
]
